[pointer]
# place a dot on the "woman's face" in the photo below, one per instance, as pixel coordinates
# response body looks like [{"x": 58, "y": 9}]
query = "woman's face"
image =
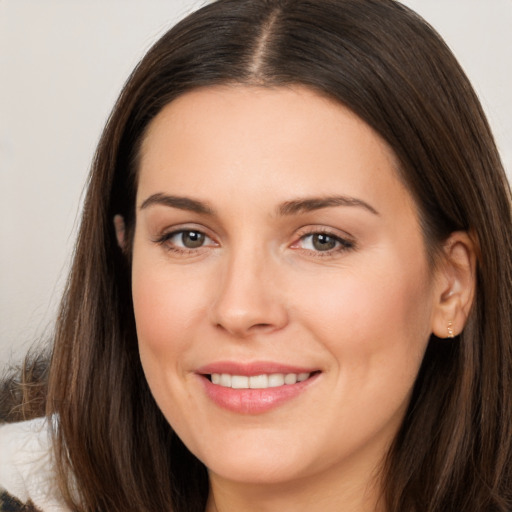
[{"x": 282, "y": 294}]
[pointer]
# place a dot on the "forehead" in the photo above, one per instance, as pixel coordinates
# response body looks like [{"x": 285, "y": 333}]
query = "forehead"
[{"x": 271, "y": 141}]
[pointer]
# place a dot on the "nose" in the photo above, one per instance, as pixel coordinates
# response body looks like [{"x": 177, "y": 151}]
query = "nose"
[{"x": 249, "y": 299}]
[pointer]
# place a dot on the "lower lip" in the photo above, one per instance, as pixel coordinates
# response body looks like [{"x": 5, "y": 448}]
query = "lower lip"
[{"x": 254, "y": 401}]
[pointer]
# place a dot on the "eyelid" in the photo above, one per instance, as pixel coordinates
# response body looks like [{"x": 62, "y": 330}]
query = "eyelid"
[
  {"x": 345, "y": 241},
  {"x": 164, "y": 238},
  {"x": 174, "y": 234}
]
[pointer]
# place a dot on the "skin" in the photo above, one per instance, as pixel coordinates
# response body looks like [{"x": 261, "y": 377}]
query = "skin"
[{"x": 259, "y": 289}]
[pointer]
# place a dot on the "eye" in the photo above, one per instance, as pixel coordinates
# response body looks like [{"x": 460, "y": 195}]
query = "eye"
[
  {"x": 185, "y": 239},
  {"x": 188, "y": 239},
  {"x": 321, "y": 242}
]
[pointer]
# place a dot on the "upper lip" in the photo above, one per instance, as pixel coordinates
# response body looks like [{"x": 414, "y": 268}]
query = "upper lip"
[{"x": 253, "y": 368}]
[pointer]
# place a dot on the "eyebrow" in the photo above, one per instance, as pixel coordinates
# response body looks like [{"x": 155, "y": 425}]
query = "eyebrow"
[
  {"x": 309, "y": 204},
  {"x": 293, "y": 207},
  {"x": 180, "y": 202}
]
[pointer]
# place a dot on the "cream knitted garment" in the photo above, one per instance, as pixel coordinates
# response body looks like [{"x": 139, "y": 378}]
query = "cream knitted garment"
[{"x": 26, "y": 474}]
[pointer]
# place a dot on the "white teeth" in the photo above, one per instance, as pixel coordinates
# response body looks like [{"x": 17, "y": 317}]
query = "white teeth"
[
  {"x": 290, "y": 378},
  {"x": 263, "y": 381},
  {"x": 239, "y": 381},
  {"x": 275, "y": 380},
  {"x": 258, "y": 381},
  {"x": 225, "y": 380}
]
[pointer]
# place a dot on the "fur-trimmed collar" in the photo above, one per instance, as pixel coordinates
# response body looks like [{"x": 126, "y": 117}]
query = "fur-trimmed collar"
[{"x": 27, "y": 481}]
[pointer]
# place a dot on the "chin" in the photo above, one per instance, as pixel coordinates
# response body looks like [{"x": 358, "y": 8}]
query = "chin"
[
  {"x": 263, "y": 461},
  {"x": 256, "y": 471}
]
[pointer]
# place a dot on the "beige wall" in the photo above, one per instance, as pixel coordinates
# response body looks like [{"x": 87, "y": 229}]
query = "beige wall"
[{"x": 62, "y": 64}]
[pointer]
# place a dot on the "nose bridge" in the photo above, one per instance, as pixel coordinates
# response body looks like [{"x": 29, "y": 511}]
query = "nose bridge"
[{"x": 247, "y": 299}]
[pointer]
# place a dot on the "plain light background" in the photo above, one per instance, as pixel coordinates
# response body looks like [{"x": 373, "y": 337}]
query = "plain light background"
[{"x": 62, "y": 65}]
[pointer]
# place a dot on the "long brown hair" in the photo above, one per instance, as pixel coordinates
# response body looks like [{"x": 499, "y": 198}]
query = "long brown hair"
[{"x": 114, "y": 449}]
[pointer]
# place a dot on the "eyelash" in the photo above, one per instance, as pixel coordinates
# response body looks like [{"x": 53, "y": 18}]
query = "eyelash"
[
  {"x": 165, "y": 240},
  {"x": 341, "y": 244}
]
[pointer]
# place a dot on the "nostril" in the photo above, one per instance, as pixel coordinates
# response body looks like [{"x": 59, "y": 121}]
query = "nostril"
[
  {"x": 251, "y": 329},
  {"x": 261, "y": 326}
]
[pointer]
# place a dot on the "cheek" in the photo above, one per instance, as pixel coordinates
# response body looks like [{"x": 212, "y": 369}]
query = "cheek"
[
  {"x": 167, "y": 309},
  {"x": 377, "y": 317},
  {"x": 168, "y": 305},
  {"x": 376, "y": 328},
  {"x": 164, "y": 301}
]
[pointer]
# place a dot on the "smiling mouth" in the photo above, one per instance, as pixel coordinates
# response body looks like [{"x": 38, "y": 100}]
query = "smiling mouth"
[
  {"x": 255, "y": 388},
  {"x": 263, "y": 381}
]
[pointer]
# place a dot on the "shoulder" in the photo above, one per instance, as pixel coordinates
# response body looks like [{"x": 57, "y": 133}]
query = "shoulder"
[{"x": 27, "y": 481}]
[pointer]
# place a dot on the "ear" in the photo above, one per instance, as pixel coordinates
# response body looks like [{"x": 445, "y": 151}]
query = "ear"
[
  {"x": 120, "y": 231},
  {"x": 455, "y": 285}
]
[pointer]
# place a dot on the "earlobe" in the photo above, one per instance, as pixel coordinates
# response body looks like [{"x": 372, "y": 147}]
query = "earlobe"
[
  {"x": 120, "y": 228},
  {"x": 455, "y": 285}
]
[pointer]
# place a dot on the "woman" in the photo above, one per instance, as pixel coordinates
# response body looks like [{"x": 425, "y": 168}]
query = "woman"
[{"x": 291, "y": 287}]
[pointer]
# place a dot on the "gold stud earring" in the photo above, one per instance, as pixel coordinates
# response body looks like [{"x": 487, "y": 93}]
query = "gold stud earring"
[{"x": 450, "y": 329}]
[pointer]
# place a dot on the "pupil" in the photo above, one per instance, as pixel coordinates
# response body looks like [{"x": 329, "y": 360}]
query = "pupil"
[
  {"x": 323, "y": 242},
  {"x": 192, "y": 239}
]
